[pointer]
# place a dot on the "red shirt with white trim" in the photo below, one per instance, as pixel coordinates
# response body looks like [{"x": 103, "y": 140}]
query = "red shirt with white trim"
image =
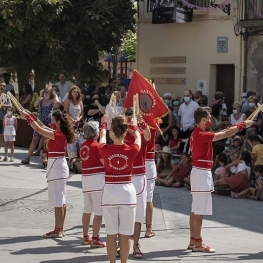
[
  {"x": 150, "y": 155},
  {"x": 92, "y": 168},
  {"x": 118, "y": 161},
  {"x": 202, "y": 148},
  {"x": 57, "y": 147},
  {"x": 139, "y": 162},
  {"x": 90, "y": 157}
]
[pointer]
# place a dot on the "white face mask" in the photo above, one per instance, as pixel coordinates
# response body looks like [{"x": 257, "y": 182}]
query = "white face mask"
[
  {"x": 9, "y": 112},
  {"x": 187, "y": 99},
  {"x": 234, "y": 111}
]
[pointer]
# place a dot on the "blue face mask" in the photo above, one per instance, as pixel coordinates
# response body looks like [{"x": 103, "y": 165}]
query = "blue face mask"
[
  {"x": 176, "y": 103},
  {"x": 167, "y": 102},
  {"x": 251, "y": 105}
]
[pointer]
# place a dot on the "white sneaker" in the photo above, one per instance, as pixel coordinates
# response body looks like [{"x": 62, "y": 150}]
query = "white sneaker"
[
  {"x": 5, "y": 159},
  {"x": 11, "y": 159}
]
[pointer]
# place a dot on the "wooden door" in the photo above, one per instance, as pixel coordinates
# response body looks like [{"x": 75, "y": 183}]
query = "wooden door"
[{"x": 225, "y": 82}]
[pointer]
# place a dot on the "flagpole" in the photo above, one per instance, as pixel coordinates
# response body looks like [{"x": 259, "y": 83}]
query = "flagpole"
[
  {"x": 137, "y": 104},
  {"x": 115, "y": 106},
  {"x": 134, "y": 108}
]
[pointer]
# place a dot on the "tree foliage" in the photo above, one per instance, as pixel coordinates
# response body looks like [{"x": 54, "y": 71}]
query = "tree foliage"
[{"x": 51, "y": 36}]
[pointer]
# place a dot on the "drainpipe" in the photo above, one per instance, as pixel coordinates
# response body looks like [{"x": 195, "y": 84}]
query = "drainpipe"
[{"x": 245, "y": 37}]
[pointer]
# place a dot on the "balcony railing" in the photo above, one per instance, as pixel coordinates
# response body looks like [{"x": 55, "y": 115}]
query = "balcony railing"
[{"x": 250, "y": 13}]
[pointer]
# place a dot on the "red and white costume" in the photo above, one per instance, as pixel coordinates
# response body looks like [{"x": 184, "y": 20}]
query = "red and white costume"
[
  {"x": 92, "y": 176},
  {"x": 201, "y": 177},
  {"x": 139, "y": 177},
  {"x": 57, "y": 170},
  {"x": 119, "y": 194},
  {"x": 150, "y": 166}
]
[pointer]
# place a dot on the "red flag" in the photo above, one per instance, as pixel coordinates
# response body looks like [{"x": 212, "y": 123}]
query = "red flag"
[{"x": 151, "y": 105}]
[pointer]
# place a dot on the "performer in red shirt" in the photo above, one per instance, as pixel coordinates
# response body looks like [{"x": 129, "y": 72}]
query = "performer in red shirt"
[
  {"x": 151, "y": 176},
  {"x": 62, "y": 132},
  {"x": 92, "y": 183},
  {"x": 139, "y": 178},
  {"x": 201, "y": 176},
  {"x": 119, "y": 194}
]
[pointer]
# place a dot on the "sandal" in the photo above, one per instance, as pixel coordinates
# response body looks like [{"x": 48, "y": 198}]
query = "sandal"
[
  {"x": 56, "y": 233},
  {"x": 149, "y": 234},
  {"x": 96, "y": 243},
  {"x": 86, "y": 240},
  {"x": 233, "y": 195},
  {"x": 25, "y": 161},
  {"x": 118, "y": 252},
  {"x": 191, "y": 244},
  {"x": 202, "y": 248},
  {"x": 137, "y": 252}
]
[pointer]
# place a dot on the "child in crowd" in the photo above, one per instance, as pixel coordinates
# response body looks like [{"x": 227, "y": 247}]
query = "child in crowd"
[
  {"x": 10, "y": 127},
  {"x": 257, "y": 192},
  {"x": 221, "y": 171},
  {"x": 235, "y": 146},
  {"x": 165, "y": 165},
  {"x": 179, "y": 173},
  {"x": 175, "y": 141},
  {"x": 80, "y": 138},
  {"x": 72, "y": 151}
]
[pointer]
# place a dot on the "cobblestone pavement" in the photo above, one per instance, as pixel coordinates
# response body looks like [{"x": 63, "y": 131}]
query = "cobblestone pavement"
[{"x": 235, "y": 229}]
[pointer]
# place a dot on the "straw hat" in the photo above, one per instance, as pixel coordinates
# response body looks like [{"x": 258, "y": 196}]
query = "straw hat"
[
  {"x": 237, "y": 138},
  {"x": 166, "y": 149}
]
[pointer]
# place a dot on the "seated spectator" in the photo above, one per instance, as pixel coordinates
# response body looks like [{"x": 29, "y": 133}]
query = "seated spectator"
[
  {"x": 237, "y": 115},
  {"x": 245, "y": 104},
  {"x": 180, "y": 172},
  {"x": 175, "y": 141},
  {"x": 162, "y": 138},
  {"x": 217, "y": 124},
  {"x": 165, "y": 165},
  {"x": 257, "y": 150},
  {"x": 221, "y": 171},
  {"x": 247, "y": 145},
  {"x": 257, "y": 192},
  {"x": 235, "y": 146},
  {"x": 26, "y": 98},
  {"x": 258, "y": 119},
  {"x": 239, "y": 181}
]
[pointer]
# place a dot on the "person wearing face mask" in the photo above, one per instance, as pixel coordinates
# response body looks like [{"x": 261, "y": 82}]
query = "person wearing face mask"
[
  {"x": 45, "y": 102},
  {"x": 201, "y": 175},
  {"x": 167, "y": 98},
  {"x": 175, "y": 106},
  {"x": 10, "y": 127},
  {"x": 186, "y": 122},
  {"x": 95, "y": 110},
  {"x": 257, "y": 121},
  {"x": 245, "y": 104},
  {"x": 60, "y": 133},
  {"x": 237, "y": 115}
]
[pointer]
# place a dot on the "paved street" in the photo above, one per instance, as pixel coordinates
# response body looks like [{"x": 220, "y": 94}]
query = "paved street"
[{"x": 235, "y": 230}]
